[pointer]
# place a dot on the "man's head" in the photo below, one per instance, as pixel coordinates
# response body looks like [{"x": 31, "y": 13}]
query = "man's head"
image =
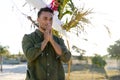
[{"x": 45, "y": 18}]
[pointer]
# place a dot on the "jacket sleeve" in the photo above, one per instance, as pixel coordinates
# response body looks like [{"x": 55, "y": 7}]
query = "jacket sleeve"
[
  {"x": 30, "y": 49},
  {"x": 66, "y": 54}
]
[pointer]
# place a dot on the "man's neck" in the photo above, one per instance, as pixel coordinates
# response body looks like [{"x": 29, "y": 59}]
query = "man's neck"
[{"x": 41, "y": 30}]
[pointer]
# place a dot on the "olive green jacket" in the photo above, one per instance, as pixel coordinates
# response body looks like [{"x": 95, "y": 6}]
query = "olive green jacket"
[{"x": 46, "y": 64}]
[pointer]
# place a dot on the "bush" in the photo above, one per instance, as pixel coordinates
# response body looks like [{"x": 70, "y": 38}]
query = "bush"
[{"x": 98, "y": 61}]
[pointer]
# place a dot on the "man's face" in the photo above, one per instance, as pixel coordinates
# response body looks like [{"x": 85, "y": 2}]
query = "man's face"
[{"x": 45, "y": 20}]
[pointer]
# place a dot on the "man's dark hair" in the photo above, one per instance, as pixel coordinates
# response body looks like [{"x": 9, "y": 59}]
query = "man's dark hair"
[{"x": 46, "y": 9}]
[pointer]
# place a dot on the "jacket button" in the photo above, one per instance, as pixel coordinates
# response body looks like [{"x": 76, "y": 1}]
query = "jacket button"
[
  {"x": 48, "y": 74},
  {"x": 48, "y": 64}
]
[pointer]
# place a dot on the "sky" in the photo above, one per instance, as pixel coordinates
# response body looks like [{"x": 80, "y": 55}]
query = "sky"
[{"x": 13, "y": 25}]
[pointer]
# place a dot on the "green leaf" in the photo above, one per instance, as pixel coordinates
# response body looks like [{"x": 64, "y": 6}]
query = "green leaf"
[{"x": 67, "y": 12}]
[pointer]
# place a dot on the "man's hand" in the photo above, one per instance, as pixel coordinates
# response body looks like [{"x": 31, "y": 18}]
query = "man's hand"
[
  {"x": 55, "y": 45},
  {"x": 48, "y": 33},
  {"x": 47, "y": 36}
]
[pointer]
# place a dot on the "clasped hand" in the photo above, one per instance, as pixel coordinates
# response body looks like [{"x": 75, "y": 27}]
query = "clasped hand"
[{"x": 48, "y": 34}]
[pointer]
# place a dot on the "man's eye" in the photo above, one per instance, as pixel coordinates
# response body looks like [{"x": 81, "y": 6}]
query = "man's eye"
[{"x": 45, "y": 18}]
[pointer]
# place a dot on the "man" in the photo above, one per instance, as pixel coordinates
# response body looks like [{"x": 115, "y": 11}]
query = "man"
[{"x": 44, "y": 51}]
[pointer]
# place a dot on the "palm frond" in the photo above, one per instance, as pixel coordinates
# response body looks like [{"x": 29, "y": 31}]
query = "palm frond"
[
  {"x": 67, "y": 12},
  {"x": 71, "y": 5},
  {"x": 76, "y": 18},
  {"x": 85, "y": 20},
  {"x": 55, "y": 32},
  {"x": 61, "y": 8}
]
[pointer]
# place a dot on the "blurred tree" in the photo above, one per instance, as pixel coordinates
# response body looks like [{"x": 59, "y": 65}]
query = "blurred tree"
[
  {"x": 98, "y": 61},
  {"x": 3, "y": 51},
  {"x": 114, "y": 50},
  {"x": 80, "y": 51}
]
